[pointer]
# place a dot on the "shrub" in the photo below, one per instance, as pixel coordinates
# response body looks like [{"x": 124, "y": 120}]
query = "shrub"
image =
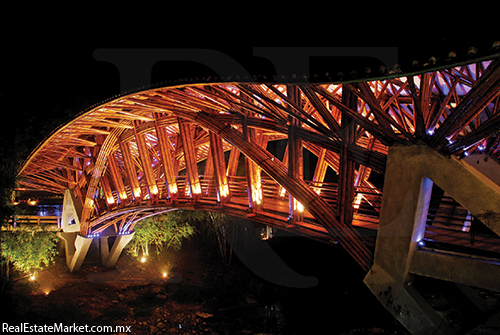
[
  {"x": 28, "y": 249},
  {"x": 164, "y": 231}
]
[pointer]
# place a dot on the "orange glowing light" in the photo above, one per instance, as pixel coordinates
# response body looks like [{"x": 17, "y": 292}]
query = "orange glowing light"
[
  {"x": 137, "y": 192},
  {"x": 197, "y": 188},
  {"x": 224, "y": 190},
  {"x": 257, "y": 192},
  {"x": 110, "y": 200},
  {"x": 282, "y": 192},
  {"x": 89, "y": 203},
  {"x": 298, "y": 206},
  {"x": 123, "y": 195},
  {"x": 165, "y": 275},
  {"x": 357, "y": 201},
  {"x": 32, "y": 277},
  {"x": 143, "y": 259},
  {"x": 32, "y": 202},
  {"x": 173, "y": 188},
  {"x": 153, "y": 189}
]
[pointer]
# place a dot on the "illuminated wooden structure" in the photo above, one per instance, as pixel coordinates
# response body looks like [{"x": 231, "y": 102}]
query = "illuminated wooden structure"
[{"x": 150, "y": 151}]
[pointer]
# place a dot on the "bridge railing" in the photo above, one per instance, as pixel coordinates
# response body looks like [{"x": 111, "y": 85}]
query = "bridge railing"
[
  {"x": 35, "y": 220},
  {"x": 275, "y": 199},
  {"x": 450, "y": 227}
]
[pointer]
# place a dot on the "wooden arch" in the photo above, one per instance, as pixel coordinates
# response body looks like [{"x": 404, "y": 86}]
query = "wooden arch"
[{"x": 180, "y": 147}]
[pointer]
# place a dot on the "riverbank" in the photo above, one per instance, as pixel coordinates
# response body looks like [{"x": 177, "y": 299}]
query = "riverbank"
[{"x": 190, "y": 292}]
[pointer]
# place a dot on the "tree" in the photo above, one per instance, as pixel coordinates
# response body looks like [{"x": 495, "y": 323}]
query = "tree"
[
  {"x": 28, "y": 249},
  {"x": 221, "y": 225},
  {"x": 164, "y": 231}
]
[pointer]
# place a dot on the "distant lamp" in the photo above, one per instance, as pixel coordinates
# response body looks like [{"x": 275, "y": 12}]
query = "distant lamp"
[
  {"x": 32, "y": 277},
  {"x": 143, "y": 259}
]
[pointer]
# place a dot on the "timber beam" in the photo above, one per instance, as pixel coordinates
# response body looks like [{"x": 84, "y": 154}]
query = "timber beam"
[
  {"x": 481, "y": 94},
  {"x": 318, "y": 207},
  {"x": 190, "y": 158},
  {"x": 295, "y": 157},
  {"x": 253, "y": 174},
  {"x": 347, "y": 165},
  {"x": 167, "y": 159},
  {"x": 146, "y": 163},
  {"x": 128, "y": 162},
  {"x": 219, "y": 167},
  {"x": 117, "y": 178}
]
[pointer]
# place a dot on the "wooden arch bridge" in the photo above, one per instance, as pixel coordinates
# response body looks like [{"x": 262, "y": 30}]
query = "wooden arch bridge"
[{"x": 307, "y": 158}]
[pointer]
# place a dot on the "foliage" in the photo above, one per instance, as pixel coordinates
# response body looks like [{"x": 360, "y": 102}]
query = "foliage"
[
  {"x": 29, "y": 250},
  {"x": 220, "y": 232},
  {"x": 164, "y": 231},
  {"x": 221, "y": 224}
]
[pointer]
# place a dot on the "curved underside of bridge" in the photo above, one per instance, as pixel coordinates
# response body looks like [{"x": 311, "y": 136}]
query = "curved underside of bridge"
[
  {"x": 244, "y": 148},
  {"x": 181, "y": 146}
]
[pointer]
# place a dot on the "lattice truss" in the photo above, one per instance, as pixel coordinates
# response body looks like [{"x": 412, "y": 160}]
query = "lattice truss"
[{"x": 183, "y": 145}]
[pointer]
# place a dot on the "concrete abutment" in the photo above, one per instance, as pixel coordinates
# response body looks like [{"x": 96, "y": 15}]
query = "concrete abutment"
[{"x": 410, "y": 173}]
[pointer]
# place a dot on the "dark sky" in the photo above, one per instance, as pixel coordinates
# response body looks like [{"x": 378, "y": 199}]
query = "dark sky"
[{"x": 42, "y": 85}]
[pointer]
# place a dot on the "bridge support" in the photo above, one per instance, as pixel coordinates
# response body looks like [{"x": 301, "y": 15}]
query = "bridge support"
[
  {"x": 410, "y": 173},
  {"x": 76, "y": 248},
  {"x": 110, "y": 257}
]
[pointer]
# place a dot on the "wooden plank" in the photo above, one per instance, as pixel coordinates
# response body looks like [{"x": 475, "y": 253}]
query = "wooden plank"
[
  {"x": 98, "y": 170},
  {"x": 301, "y": 115},
  {"x": 219, "y": 165},
  {"x": 146, "y": 163},
  {"x": 190, "y": 158},
  {"x": 347, "y": 166},
  {"x": 254, "y": 187},
  {"x": 320, "y": 169},
  {"x": 481, "y": 94},
  {"x": 421, "y": 100},
  {"x": 364, "y": 90},
  {"x": 110, "y": 200},
  {"x": 486, "y": 129},
  {"x": 282, "y": 190},
  {"x": 167, "y": 159},
  {"x": 131, "y": 171},
  {"x": 244, "y": 102},
  {"x": 232, "y": 164},
  {"x": 117, "y": 178},
  {"x": 394, "y": 95},
  {"x": 295, "y": 158},
  {"x": 442, "y": 108},
  {"x": 321, "y": 108},
  {"x": 365, "y": 122},
  {"x": 384, "y": 120},
  {"x": 347, "y": 236},
  {"x": 294, "y": 104}
]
